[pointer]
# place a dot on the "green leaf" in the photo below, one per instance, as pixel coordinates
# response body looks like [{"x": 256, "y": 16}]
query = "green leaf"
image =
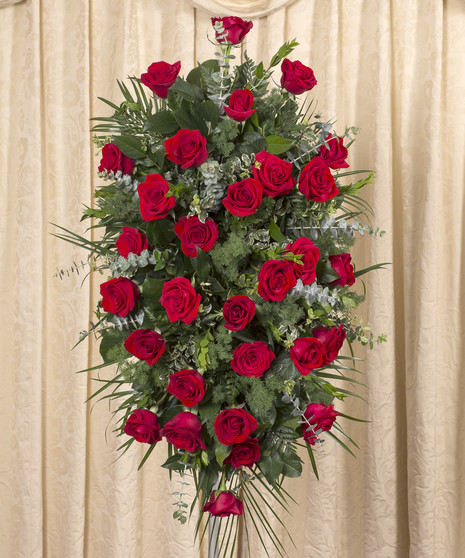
[
  {"x": 276, "y": 144},
  {"x": 202, "y": 264},
  {"x": 371, "y": 268},
  {"x": 208, "y": 410},
  {"x": 208, "y": 111},
  {"x": 271, "y": 468},
  {"x": 174, "y": 463},
  {"x": 221, "y": 453},
  {"x": 312, "y": 460},
  {"x": 111, "y": 338},
  {"x": 187, "y": 120},
  {"x": 275, "y": 232},
  {"x": 131, "y": 146},
  {"x": 253, "y": 143},
  {"x": 292, "y": 465},
  {"x": 151, "y": 291},
  {"x": 187, "y": 90},
  {"x": 162, "y": 122},
  {"x": 160, "y": 233}
]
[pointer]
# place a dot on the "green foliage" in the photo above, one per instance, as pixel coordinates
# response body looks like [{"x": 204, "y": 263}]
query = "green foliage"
[
  {"x": 224, "y": 136},
  {"x": 121, "y": 207},
  {"x": 228, "y": 256}
]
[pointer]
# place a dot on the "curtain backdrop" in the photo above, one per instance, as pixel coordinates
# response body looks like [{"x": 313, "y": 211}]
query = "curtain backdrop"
[{"x": 395, "y": 69}]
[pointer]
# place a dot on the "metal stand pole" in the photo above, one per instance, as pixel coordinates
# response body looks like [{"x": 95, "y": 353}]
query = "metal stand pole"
[{"x": 213, "y": 532}]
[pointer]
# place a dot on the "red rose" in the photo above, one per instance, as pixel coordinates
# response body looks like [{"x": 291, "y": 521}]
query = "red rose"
[
  {"x": 160, "y": 76},
  {"x": 234, "y": 426},
  {"x": 119, "y": 296},
  {"x": 223, "y": 505},
  {"x": 113, "y": 160},
  {"x": 316, "y": 181},
  {"x": 275, "y": 279},
  {"x": 187, "y": 148},
  {"x": 235, "y": 27},
  {"x": 143, "y": 426},
  {"x": 321, "y": 417},
  {"x": 252, "y": 359},
  {"x": 305, "y": 268},
  {"x": 342, "y": 265},
  {"x": 180, "y": 300},
  {"x": 188, "y": 386},
  {"x": 307, "y": 353},
  {"x": 145, "y": 344},
  {"x": 153, "y": 202},
  {"x": 238, "y": 311},
  {"x": 333, "y": 340},
  {"x": 131, "y": 241},
  {"x": 245, "y": 454},
  {"x": 240, "y": 105},
  {"x": 184, "y": 431},
  {"x": 296, "y": 77},
  {"x": 244, "y": 197},
  {"x": 192, "y": 233},
  {"x": 335, "y": 154},
  {"x": 274, "y": 174}
]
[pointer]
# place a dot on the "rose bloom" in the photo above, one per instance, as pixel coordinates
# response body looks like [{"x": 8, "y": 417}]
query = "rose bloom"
[
  {"x": 244, "y": 454},
  {"x": 145, "y": 344},
  {"x": 113, "y": 160},
  {"x": 307, "y": 353},
  {"x": 342, "y": 265},
  {"x": 335, "y": 154},
  {"x": 234, "y": 426},
  {"x": 143, "y": 426},
  {"x": 223, "y": 505},
  {"x": 305, "y": 269},
  {"x": 238, "y": 311},
  {"x": 296, "y": 77},
  {"x": 235, "y": 27},
  {"x": 188, "y": 386},
  {"x": 187, "y": 148},
  {"x": 316, "y": 181},
  {"x": 153, "y": 202},
  {"x": 321, "y": 417},
  {"x": 240, "y": 105},
  {"x": 184, "y": 431},
  {"x": 333, "y": 340},
  {"x": 119, "y": 296},
  {"x": 180, "y": 300},
  {"x": 243, "y": 198},
  {"x": 274, "y": 174},
  {"x": 252, "y": 359},
  {"x": 160, "y": 76},
  {"x": 193, "y": 233},
  {"x": 275, "y": 279},
  {"x": 131, "y": 241}
]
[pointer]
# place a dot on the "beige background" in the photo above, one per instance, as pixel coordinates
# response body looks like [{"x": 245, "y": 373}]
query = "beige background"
[{"x": 394, "y": 68}]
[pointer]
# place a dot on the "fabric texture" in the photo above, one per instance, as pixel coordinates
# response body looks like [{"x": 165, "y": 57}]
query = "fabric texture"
[{"x": 393, "y": 68}]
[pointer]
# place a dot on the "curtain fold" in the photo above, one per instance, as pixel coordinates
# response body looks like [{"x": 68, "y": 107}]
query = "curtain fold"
[{"x": 393, "y": 68}]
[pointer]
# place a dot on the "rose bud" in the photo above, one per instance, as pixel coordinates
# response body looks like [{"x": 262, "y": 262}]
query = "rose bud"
[
  {"x": 153, "y": 202},
  {"x": 131, "y": 241},
  {"x": 145, "y": 344},
  {"x": 305, "y": 268},
  {"x": 274, "y": 174},
  {"x": 307, "y": 353},
  {"x": 188, "y": 386},
  {"x": 238, "y": 311},
  {"x": 240, "y": 105},
  {"x": 113, "y": 160},
  {"x": 143, "y": 426},
  {"x": 180, "y": 300},
  {"x": 335, "y": 154},
  {"x": 234, "y": 27},
  {"x": 243, "y": 198},
  {"x": 119, "y": 296},
  {"x": 341, "y": 263},
  {"x": 184, "y": 431},
  {"x": 333, "y": 340},
  {"x": 244, "y": 454},
  {"x": 316, "y": 181},
  {"x": 296, "y": 77},
  {"x": 160, "y": 76},
  {"x": 234, "y": 426},
  {"x": 252, "y": 359},
  {"x": 321, "y": 417},
  {"x": 275, "y": 279},
  {"x": 194, "y": 234},
  {"x": 187, "y": 148}
]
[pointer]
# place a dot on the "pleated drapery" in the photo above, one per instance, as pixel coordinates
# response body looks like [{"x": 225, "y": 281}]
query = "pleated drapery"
[{"x": 393, "y": 68}]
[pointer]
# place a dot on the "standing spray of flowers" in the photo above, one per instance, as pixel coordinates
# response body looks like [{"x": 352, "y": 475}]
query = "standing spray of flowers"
[{"x": 227, "y": 218}]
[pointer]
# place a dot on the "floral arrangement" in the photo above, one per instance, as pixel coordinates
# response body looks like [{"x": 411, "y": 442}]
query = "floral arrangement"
[{"x": 227, "y": 221}]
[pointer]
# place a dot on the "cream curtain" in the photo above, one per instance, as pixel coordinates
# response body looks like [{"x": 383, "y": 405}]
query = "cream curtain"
[{"x": 395, "y": 69}]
